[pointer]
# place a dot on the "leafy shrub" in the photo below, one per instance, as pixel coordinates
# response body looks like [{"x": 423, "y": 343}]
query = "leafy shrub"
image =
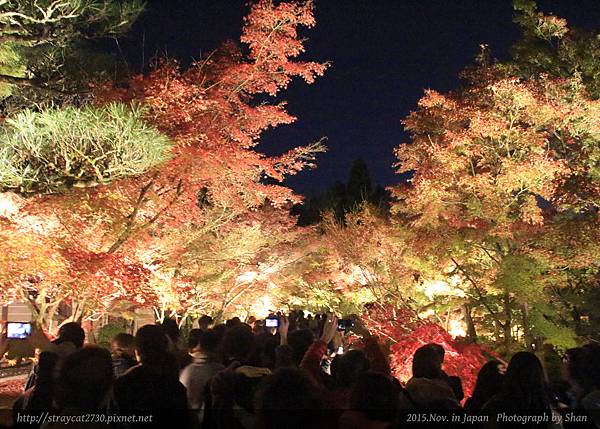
[
  {"x": 54, "y": 149},
  {"x": 108, "y": 331}
]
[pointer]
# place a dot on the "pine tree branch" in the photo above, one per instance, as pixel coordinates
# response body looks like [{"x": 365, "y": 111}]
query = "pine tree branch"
[
  {"x": 15, "y": 80},
  {"x": 32, "y": 83},
  {"x": 16, "y": 37}
]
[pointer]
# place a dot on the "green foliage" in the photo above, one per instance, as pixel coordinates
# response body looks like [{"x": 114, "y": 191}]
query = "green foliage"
[
  {"x": 53, "y": 149},
  {"x": 11, "y": 64},
  {"x": 107, "y": 332},
  {"x": 45, "y": 45},
  {"x": 525, "y": 6},
  {"x": 549, "y": 46},
  {"x": 519, "y": 274},
  {"x": 64, "y": 20},
  {"x": 504, "y": 170},
  {"x": 561, "y": 337}
]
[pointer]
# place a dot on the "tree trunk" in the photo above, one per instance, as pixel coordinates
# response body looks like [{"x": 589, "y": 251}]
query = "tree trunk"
[
  {"x": 506, "y": 327},
  {"x": 527, "y": 337},
  {"x": 218, "y": 316},
  {"x": 471, "y": 331},
  {"x": 576, "y": 320},
  {"x": 91, "y": 334}
]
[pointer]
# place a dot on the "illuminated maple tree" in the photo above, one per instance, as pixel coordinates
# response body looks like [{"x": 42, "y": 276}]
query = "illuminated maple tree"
[
  {"x": 405, "y": 333},
  {"x": 108, "y": 233},
  {"x": 224, "y": 271},
  {"x": 497, "y": 167},
  {"x": 209, "y": 112}
]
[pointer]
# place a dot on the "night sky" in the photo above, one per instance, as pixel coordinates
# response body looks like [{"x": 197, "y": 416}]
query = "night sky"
[{"x": 383, "y": 54}]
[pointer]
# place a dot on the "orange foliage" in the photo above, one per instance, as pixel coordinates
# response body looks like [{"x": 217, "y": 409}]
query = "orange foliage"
[{"x": 110, "y": 238}]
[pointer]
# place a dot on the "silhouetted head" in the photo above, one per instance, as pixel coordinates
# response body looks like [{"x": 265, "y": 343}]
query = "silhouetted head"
[
  {"x": 376, "y": 395},
  {"x": 346, "y": 368},
  {"x": 171, "y": 329},
  {"x": 85, "y": 378},
  {"x": 300, "y": 341},
  {"x": 44, "y": 391},
  {"x": 210, "y": 342},
  {"x": 194, "y": 338},
  {"x": 238, "y": 343},
  {"x": 265, "y": 355},
  {"x": 426, "y": 363},
  {"x": 525, "y": 382},
  {"x": 589, "y": 367},
  {"x": 47, "y": 362},
  {"x": 72, "y": 332},
  {"x": 489, "y": 382},
  {"x": 575, "y": 365},
  {"x": 220, "y": 330},
  {"x": 123, "y": 344},
  {"x": 151, "y": 344},
  {"x": 439, "y": 350},
  {"x": 204, "y": 322},
  {"x": 287, "y": 399},
  {"x": 234, "y": 321}
]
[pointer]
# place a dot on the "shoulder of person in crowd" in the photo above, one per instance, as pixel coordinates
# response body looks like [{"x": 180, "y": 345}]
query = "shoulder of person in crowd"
[{"x": 252, "y": 371}]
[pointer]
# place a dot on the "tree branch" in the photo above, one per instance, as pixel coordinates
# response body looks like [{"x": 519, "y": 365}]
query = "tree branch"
[
  {"x": 24, "y": 81},
  {"x": 130, "y": 229},
  {"x": 479, "y": 293},
  {"x": 131, "y": 219}
]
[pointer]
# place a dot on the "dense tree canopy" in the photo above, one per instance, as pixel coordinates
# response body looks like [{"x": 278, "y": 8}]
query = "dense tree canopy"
[
  {"x": 56, "y": 149},
  {"x": 47, "y": 52},
  {"x": 122, "y": 191},
  {"x": 500, "y": 166},
  {"x": 151, "y": 156}
]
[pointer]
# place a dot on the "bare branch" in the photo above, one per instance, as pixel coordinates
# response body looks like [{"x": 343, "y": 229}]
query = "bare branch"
[
  {"x": 479, "y": 293},
  {"x": 131, "y": 219}
]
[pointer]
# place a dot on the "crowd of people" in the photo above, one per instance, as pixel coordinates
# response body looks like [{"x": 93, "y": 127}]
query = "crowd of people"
[{"x": 300, "y": 373}]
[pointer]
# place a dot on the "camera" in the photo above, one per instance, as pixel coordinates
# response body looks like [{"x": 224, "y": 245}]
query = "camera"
[{"x": 272, "y": 322}]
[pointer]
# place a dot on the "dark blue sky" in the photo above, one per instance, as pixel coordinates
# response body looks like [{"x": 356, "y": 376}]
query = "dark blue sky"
[{"x": 383, "y": 54}]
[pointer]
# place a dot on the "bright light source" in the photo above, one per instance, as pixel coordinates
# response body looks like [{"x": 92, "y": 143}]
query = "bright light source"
[
  {"x": 427, "y": 313},
  {"x": 352, "y": 275},
  {"x": 262, "y": 307},
  {"x": 268, "y": 269},
  {"x": 9, "y": 204},
  {"x": 456, "y": 328},
  {"x": 442, "y": 287},
  {"x": 38, "y": 224},
  {"x": 358, "y": 275},
  {"x": 247, "y": 277},
  {"x": 435, "y": 287}
]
